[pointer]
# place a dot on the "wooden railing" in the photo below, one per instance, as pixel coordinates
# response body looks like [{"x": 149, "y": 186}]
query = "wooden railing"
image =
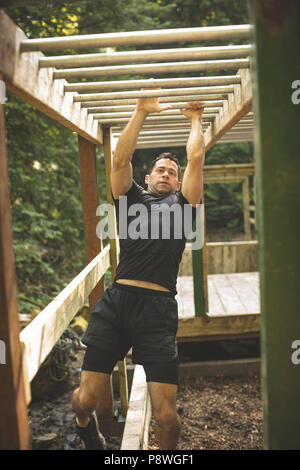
[{"x": 41, "y": 335}]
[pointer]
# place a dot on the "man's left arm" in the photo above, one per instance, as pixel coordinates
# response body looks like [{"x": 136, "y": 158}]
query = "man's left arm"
[{"x": 192, "y": 183}]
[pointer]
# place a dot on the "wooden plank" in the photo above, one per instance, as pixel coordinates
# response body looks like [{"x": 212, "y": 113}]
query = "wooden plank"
[
  {"x": 44, "y": 331},
  {"x": 111, "y": 215},
  {"x": 277, "y": 144},
  {"x": 215, "y": 304},
  {"x": 36, "y": 86},
  {"x": 229, "y": 169},
  {"x": 230, "y": 299},
  {"x": 216, "y": 327},
  {"x": 232, "y": 368},
  {"x": 215, "y": 259},
  {"x": 235, "y": 108},
  {"x": 199, "y": 264},
  {"x": 89, "y": 190},
  {"x": 229, "y": 258},
  {"x": 247, "y": 256},
  {"x": 137, "y": 419},
  {"x": 14, "y": 428},
  {"x": 222, "y": 179},
  {"x": 242, "y": 286},
  {"x": 185, "y": 296},
  {"x": 225, "y": 257}
]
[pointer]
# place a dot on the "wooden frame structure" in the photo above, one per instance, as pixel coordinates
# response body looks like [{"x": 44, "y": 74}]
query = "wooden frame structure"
[
  {"x": 98, "y": 118},
  {"x": 237, "y": 173}
]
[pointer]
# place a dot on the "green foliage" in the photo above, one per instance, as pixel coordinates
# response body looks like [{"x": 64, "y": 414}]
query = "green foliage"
[
  {"x": 224, "y": 202},
  {"x": 45, "y": 199}
]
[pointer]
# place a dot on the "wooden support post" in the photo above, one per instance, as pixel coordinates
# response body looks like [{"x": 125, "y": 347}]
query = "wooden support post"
[
  {"x": 199, "y": 262},
  {"x": 277, "y": 144},
  {"x": 93, "y": 245},
  {"x": 114, "y": 257},
  {"x": 246, "y": 209},
  {"x": 111, "y": 219},
  {"x": 14, "y": 428}
]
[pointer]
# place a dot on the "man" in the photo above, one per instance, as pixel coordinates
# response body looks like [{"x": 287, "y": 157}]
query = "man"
[{"x": 139, "y": 310}]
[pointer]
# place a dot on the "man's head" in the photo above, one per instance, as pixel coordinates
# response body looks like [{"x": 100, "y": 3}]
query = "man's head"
[{"x": 164, "y": 174}]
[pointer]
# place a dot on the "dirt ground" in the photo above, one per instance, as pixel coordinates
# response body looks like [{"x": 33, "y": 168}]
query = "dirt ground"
[
  {"x": 51, "y": 417},
  {"x": 218, "y": 413}
]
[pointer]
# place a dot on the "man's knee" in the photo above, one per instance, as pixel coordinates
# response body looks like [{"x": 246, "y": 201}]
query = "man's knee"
[
  {"x": 166, "y": 417},
  {"x": 88, "y": 399},
  {"x": 91, "y": 392}
]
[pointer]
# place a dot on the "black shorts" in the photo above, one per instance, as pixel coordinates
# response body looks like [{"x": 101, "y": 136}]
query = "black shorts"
[{"x": 144, "y": 319}]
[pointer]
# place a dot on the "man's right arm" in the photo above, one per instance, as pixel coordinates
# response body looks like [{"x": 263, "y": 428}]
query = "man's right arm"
[{"x": 121, "y": 172}]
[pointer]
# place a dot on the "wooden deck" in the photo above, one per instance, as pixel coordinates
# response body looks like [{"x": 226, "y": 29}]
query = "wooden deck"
[{"x": 230, "y": 294}]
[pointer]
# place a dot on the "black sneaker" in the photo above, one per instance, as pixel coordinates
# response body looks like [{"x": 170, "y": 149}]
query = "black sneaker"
[{"x": 91, "y": 436}]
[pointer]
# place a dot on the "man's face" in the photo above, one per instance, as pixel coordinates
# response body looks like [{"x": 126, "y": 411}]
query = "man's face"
[{"x": 163, "y": 179}]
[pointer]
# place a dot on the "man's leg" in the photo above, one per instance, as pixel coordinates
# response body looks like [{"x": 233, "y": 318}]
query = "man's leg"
[
  {"x": 167, "y": 423},
  {"x": 92, "y": 394}
]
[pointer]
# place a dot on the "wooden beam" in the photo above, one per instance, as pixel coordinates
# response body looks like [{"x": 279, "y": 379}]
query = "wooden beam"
[
  {"x": 225, "y": 257},
  {"x": 111, "y": 219},
  {"x": 36, "y": 86},
  {"x": 230, "y": 367},
  {"x": 135, "y": 434},
  {"x": 199, "y": 266},
  {"x": 90, "y": 201},
  {"x": 45, "y": 330},
  {"x": 232, "y": 169},
  {"x": 222, "y": 179},
  {"x": 277, "y": 144},
  {"x": 158, "y": 36},
  {"x": 123, "y": 383},
  {"x": 217, "y": 327},
  {"x": 14, "y": 428},
  {"x": 235, "y": 108}
]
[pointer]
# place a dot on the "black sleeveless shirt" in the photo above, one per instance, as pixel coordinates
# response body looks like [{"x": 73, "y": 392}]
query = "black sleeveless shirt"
[{"x": 153, "y": 230}]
